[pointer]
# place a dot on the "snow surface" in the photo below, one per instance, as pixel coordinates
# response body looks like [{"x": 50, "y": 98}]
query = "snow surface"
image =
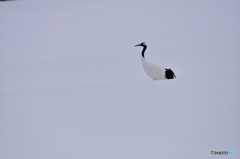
[{"x": 72, "y": 84}]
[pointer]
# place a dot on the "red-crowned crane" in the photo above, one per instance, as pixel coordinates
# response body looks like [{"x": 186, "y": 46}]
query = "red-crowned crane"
[{"x": 154, "y": 71}]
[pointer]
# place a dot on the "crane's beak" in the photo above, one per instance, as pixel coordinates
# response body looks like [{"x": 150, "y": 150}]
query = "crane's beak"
[{"x": 137, "y": 45}]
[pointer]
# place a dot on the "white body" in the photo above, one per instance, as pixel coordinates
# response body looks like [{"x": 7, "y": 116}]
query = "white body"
[{"x": 152, "y": 70}]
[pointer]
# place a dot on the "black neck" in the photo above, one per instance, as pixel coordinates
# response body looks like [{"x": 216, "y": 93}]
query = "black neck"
[{"x": 143, "y": 51}]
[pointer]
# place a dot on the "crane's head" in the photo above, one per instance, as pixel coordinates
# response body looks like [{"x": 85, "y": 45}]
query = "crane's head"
[{"x": 142, "y": 44}]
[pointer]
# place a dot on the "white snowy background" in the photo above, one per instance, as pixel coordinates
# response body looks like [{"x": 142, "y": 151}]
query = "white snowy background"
[{"x": 72, "y": 83}]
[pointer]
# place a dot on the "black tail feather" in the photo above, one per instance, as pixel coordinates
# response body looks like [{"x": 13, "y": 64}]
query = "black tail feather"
[{"x": 169, "y": 74}]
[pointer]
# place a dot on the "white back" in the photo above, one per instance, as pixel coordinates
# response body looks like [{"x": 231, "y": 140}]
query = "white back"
[{"x": 152, "y": 70}]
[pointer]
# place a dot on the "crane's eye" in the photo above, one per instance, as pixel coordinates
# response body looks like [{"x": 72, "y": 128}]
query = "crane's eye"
[{"x": 143, "y": 43}]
